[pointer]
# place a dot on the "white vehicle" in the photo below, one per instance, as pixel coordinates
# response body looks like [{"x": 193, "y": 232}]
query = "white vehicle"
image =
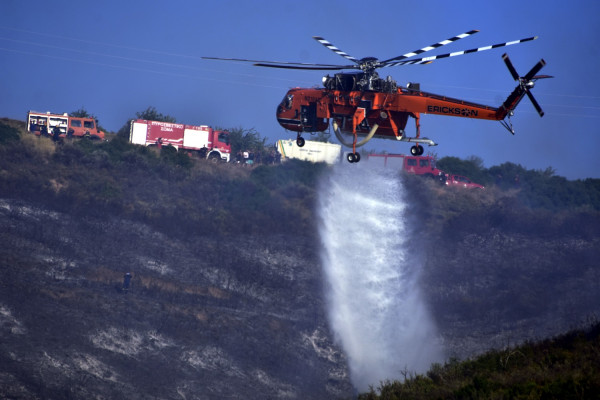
[{"x": 311, "y": 151}]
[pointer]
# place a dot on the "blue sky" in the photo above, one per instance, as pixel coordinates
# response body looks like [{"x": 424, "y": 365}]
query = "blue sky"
[{"x": 115, "y": 58}]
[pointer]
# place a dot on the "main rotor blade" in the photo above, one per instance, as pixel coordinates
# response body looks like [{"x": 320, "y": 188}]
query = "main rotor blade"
[
  {"x": 535, "y": 103},
  {"x": 536, "y": 68},
  {"x": 331, "y": 47},
  {"x": 316, "y": 67},
  {"x": 427, "y": 60},
  {"x": 433, "y": 46},
  {"x": 510, "y": 67},
  {"x": 323, "y": 66}
]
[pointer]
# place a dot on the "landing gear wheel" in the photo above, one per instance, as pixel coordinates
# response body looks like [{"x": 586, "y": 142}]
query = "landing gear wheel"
[
  {"x": 300, "y": 141},
  {"x": 417, "y": 150},
  {"x": 353, "y": 157}
]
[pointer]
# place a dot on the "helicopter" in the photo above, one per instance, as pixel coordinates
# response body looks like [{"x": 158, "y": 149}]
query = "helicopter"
[{"x": 364, "y": 105}]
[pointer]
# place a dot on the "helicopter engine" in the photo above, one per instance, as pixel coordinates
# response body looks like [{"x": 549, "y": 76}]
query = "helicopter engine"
[{"x": 361, "y": 81}]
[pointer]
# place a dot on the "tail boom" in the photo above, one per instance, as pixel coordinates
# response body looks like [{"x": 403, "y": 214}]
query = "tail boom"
[{"x": 511, "y": 102}]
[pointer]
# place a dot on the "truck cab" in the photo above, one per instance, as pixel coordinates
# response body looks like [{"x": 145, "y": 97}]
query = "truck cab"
[
  {"x": 221, "y": 146},
  {"x": 423, "y": 165},
  {"x": 84, "y": 127}
]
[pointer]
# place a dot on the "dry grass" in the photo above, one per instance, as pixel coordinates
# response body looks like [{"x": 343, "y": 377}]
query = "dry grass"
[
  {"x": 41, "y": 144},
  {"x": 107, "y": 276},
  {"x": 227, "y": 171},
  {"x": 59, "y": 294}
]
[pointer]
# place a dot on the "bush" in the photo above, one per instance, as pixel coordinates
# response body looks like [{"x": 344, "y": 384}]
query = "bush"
[
  {"x": 8, "y": 133},
  {"x": 559, "y": 368}
]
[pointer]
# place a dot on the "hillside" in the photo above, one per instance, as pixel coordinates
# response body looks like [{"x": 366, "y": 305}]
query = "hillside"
[
  {"x": 222, "y": 300},
  {"x": 564, "y": 367},
  {"x": 227, "y": 297}
]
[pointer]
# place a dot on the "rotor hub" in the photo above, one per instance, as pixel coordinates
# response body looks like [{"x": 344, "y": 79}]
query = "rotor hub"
[{"x": 369, "y": 64}]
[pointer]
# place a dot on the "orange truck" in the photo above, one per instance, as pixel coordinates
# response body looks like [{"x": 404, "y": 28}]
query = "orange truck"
[{"x": 62, "y": 125}]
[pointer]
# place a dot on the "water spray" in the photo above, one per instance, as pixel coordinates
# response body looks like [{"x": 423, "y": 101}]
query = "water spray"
[{"x": 375, "y": 306}]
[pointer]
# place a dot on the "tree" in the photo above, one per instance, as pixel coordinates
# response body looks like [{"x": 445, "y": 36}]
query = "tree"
[
  {"x": 81, "y": 113},
  {"x": 151, "y": 114},
  {"x": 245, "y": 139}
]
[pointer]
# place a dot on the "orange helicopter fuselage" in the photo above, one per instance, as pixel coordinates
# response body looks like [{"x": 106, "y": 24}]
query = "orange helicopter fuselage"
[{"x": 355, "y": 112}]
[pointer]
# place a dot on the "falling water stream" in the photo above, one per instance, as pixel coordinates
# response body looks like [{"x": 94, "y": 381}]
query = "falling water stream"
[{"x": 376, "y": 308}]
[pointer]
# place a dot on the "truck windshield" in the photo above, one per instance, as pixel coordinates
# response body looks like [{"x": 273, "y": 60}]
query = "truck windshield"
[{"x": 224, "y": 138}]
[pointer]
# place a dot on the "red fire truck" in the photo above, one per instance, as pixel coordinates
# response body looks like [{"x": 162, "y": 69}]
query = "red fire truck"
[
  {"x": 203, "y": 140},
  {"x": 418, "y": 165},
  {"x": 62, "y": 125},
  {"x": 424, "y": 166},
  {"x": 462, "y": 181}
]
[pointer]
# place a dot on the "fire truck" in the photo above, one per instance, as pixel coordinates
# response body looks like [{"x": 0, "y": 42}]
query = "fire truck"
[
  {"x": 418, "y": 165},
  {"x": 462, "y": 181},
  {"x": 202, "y": 140},
  {"x": 424, "y": 166},
  {"x": 62, "y": 125}
]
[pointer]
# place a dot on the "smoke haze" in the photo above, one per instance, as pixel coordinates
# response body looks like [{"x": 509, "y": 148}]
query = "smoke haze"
[{"x": 376, "y": 309}]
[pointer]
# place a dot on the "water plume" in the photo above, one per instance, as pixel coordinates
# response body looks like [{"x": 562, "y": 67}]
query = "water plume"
[{"x": 376, "y": 308}]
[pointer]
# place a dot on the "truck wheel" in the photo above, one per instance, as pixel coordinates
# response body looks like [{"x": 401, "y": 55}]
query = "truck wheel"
[{"x": 214, "y": 157}]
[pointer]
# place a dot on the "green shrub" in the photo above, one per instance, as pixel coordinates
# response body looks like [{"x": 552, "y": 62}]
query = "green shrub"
[
  {"x": 561, "y": 368},
  {"x": 8, "y": 133}
]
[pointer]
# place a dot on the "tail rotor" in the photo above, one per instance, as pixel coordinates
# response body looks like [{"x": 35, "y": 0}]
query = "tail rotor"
[{"x": 526, "y": 83}]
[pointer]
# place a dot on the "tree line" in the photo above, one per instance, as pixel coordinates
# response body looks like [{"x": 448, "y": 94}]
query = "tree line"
[{"x": 535, "y": 188}]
